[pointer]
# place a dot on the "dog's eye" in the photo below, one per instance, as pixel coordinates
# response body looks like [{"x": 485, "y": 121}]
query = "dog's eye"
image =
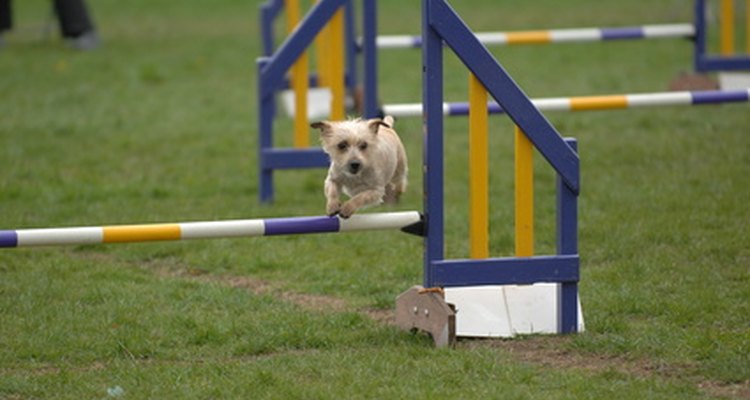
[
  {"x": 342, "y": 146},
  {"x": 363, "y": 146}
]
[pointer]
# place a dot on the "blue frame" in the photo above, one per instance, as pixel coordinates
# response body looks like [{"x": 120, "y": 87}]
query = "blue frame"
[
  {"x": 271, "y": 77},
  {"x": 702, "y": 60},
  {"x": 441, "y": 25},
  {"x": 272, "y": 69}
]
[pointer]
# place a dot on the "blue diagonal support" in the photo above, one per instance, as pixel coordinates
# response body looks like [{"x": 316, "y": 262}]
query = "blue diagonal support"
[
  {"x": 272, "y": 74},
  {"x": 444, "y": 20}
]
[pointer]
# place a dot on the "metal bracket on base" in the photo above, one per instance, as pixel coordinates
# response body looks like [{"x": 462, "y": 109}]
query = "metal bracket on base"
[{"x": 426, "y": 310}]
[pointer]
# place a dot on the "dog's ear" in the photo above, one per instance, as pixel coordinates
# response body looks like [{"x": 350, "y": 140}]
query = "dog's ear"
[
  {"x": 389, "y": 120},
  {"x": 324, "y": 126},
  {"x": 374, "y": 124}
]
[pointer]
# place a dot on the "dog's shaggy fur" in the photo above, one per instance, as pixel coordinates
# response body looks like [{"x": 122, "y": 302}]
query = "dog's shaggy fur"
[{"x": 368, "y": 164}]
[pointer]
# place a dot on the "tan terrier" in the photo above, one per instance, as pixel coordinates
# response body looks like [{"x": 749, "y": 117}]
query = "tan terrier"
[{"x": 368, "y": 163}]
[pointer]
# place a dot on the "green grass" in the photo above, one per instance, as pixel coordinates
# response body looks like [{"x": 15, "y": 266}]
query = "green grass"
[{"x": 159, "y": 125}]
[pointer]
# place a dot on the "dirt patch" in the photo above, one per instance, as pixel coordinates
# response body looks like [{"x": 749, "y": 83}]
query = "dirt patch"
[
  {"x": 386, "y": 317},
  {"x": 553, "y": 352},
  {"x": 739, "y": 390},
  {"x": 256, "y": 286},
  {"x": 312, "y": 302}
]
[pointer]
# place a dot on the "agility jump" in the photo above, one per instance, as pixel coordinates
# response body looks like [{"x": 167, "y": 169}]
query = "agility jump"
[{"x": 487, "y": 77}]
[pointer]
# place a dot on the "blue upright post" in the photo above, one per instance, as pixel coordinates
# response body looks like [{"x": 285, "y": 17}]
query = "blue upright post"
[
  {"x": 700, "y": 35},
  {"x": 268, "y": 12},
  {"x": 370, "y": 58},
  {"x": 432, "y": 103},
  {"x": 350, "y": 38},
  {"x": 266, "y": 113},
  {"x": 567, "y": 244}
]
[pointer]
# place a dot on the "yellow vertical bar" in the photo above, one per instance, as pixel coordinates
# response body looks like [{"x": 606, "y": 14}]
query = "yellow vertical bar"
[
  {"x": 299, "y": 81},
  {"x": 336, "y": 70},
  {"x": 478, "y": 170},
  {"x": 747, "y": 26},
  {"x": 322, "y": 43},
  {"x": 726, "y": 27},
  {"x": 524, "y": 193}
]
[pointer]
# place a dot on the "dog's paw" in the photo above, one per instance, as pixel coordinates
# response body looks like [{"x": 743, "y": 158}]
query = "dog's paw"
[
  {"x": 333, "y": 208},
  {"x": 347, "y": 210}
]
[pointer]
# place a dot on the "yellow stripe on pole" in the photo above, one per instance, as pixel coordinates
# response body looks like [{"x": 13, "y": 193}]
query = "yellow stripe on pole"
[
  {"x": 726, "y": 27},
  {"x": 141, "y": 233},
  {"x": 299, "y": 82},
  {"x": 529, "y": 37},
  {"x": 598, "y": 102},
  {"x": 747, "y": 26},
  {"x": 336, "y": 71},
  {"x": 478, "y": 170},
  {"x": 524, "y": 194}
]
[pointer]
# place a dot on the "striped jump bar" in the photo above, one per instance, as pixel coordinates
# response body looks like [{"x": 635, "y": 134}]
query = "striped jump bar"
[
  {"x": 589, "y": 103},
  {"x": 206, "y": 230},
  {"x": 555, "y": 36}
]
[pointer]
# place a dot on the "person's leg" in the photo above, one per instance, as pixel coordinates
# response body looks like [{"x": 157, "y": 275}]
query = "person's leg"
[
  {"x": 76, "y": 25},
  {"x": 74, "y": 17},
  {"x": 6, "y": 16},
  {"x": 6, "y": 19}
]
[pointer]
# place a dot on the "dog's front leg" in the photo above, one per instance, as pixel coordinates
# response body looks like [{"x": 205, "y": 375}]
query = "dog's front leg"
[
  {"x": 331, "y": 190},
  {"x": 366, "y": 198}
]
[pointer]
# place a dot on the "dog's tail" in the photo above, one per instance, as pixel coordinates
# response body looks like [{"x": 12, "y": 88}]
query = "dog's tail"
[{"x": 388, "y": 120}]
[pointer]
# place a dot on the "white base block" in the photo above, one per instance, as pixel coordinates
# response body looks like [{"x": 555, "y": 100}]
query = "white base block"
[
  {"x": 506, "y": 311},
  {"x": 734, "y": 80},
  {"x": 318, "y": 103}
]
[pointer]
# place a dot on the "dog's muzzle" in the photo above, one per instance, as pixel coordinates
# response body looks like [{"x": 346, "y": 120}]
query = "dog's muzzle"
[{"x": 354, "y": 166}]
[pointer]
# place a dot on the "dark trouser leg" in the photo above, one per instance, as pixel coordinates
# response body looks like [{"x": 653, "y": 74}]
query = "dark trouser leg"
[
  {"x": 74, "y": 17},
  {"x": 6, "y": 16}
]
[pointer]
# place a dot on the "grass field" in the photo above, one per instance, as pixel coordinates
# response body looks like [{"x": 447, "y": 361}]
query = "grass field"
[{"x": 159, "y": 125}]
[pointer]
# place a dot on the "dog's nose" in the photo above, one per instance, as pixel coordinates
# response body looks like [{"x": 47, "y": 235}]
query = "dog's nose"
[{"x": 354, "y": 166}]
